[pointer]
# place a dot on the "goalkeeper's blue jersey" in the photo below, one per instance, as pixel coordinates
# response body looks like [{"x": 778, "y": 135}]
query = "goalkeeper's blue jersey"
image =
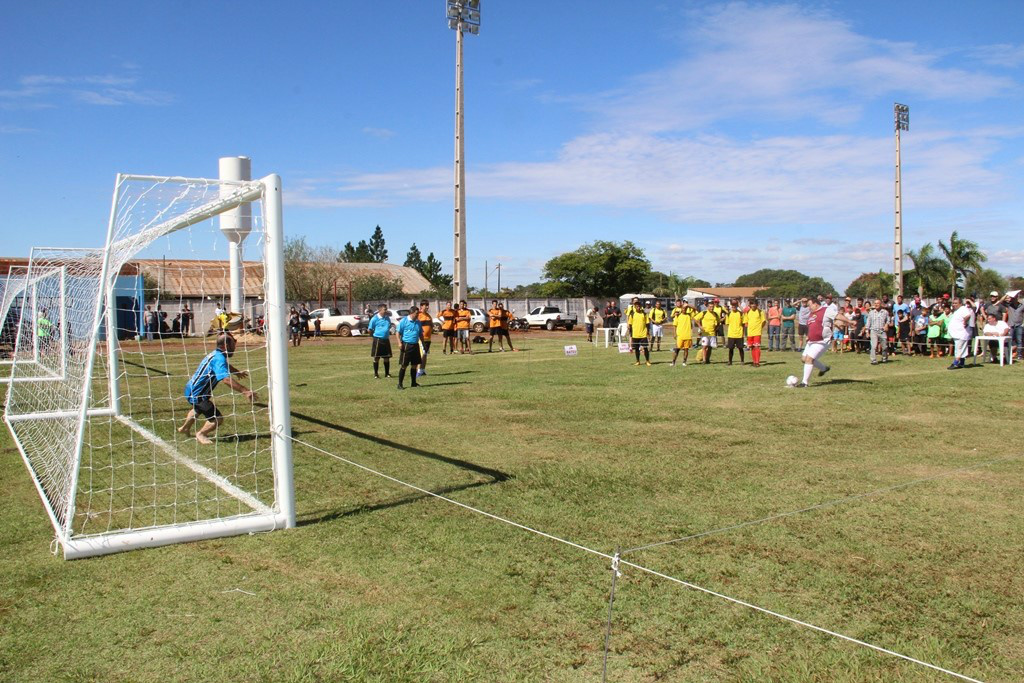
[{"x": 212, "y": 369}]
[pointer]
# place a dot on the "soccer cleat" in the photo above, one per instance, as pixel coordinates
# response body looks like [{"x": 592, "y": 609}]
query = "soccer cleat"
[
  {"x": 682, "y": 365},
  {"x": 802, "y": 385},
  {"x": 821, "y": 373},
  {"x": 648, "y": 363},
  {"x": 874, "y": 362},
  {"x": 636, "y": 363},
  {"x": 400, "y": 386},
  {"x": 376, "y": 376},
  {"x": 420, "y": 373},
  {"x": 672, "y": 365}
]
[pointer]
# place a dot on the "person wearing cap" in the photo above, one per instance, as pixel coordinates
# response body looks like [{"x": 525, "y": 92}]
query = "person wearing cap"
[{"x": 995, "y": 305}]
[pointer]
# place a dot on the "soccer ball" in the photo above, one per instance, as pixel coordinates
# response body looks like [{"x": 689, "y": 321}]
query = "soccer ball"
[{"x": 792, "y": 381}]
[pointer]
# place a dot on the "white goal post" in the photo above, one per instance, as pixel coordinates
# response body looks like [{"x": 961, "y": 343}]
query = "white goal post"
[
  {"x": 96, "y": 400},
  {"x": 30, "y": 310}
]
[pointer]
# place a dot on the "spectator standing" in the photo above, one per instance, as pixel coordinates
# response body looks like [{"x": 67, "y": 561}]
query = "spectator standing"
[
  {"x": 591, "y": 321},
  {"x": 774, "y": 326},
  {"x": 877, "y": 323},
  {"x": 148, "y": 322},
  {"x": 611, "y": 316},
  {"x": 317, "y": 334},
  {"x": 1015, "y": 320},
  {"x": 304, "y": 320},
  {"x": 184, "y": 316},
  {"x": 803, "y": 315},
  {"x": 995, "y": 306},
  {"x": 936, "y": 325},
  {"x": 294, "y": 330},
  {"x": 789, "y": 327},
  {"x": 920, "y": 324}
]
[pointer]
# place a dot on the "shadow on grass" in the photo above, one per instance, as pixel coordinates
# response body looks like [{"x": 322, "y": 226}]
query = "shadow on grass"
[
  {"x": 457, "y": 372},
  {"x": 144, "y": 367},
  {"x": 439, "y": 384},
  {"x": 493, "y": 476},
  {"x": 845, "y": 380}
]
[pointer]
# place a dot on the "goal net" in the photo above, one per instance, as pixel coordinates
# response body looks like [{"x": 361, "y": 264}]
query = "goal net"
[
  {"x": 102, "y": 355},
  {"x": 29, "y": 314}
]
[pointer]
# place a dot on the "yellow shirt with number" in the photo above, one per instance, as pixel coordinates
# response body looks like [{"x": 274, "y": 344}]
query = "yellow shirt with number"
[
  {"x": 638, "y": 322},
  {"x": 734, "y": 324},
  {"x": 755, "y": 322}
]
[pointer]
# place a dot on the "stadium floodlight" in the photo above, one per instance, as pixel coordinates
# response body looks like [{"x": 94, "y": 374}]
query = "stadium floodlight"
[
  {"x": 463, "y": 15},
  {"x": 901, "y": 116}
]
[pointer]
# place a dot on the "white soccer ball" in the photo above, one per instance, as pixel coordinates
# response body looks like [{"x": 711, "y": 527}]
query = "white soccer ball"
[{"x": 792, "y": 381}]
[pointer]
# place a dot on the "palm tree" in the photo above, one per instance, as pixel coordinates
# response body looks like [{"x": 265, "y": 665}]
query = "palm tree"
[
  {"x": 963, "y": 257},
  {"x": 929, "y": 269}
]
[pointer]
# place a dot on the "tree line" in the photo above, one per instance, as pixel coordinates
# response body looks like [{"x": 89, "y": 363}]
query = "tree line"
[{"x": 310, "y": 270}]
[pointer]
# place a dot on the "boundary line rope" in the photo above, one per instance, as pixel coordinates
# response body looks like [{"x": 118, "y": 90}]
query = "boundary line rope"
[{"x": 618, "y": 561}]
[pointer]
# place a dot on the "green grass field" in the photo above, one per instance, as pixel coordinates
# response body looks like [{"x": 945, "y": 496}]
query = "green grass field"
[{"x": 384, "y": 583}]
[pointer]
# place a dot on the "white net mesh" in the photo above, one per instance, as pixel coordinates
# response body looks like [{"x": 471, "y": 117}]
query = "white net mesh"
[{"x": 124, "y": 466}]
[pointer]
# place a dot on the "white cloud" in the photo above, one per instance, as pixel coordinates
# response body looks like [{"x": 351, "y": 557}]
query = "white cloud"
[
  {"x": 1005, "y": 54},
  {"x": 39, "y": 91},
  {"x": 15, "y": 130}
]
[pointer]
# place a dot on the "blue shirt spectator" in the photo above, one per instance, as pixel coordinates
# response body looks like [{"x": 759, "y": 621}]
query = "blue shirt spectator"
[{"x": 212, "y": 369}]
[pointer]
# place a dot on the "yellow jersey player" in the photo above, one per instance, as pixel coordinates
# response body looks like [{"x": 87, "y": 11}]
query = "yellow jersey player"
[
  {"x": 658, "y": 318},
  {"x": 638, "y": 322},
  {"x": 682, "y": 318},
  {"x": 755, "y": 326},
  {"x": 734, "y": 321},
  {"x": 709, "y": 322}
]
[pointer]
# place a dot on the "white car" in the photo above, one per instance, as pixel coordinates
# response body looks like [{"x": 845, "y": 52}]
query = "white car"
[
  {"x": 550, "y": 318},
  {"x": 342, "y": 325}
]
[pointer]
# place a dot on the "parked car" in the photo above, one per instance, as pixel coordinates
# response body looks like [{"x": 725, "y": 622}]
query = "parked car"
[
  {"x": 550, "y": 318},
  {"x": 332, "y": 319}
]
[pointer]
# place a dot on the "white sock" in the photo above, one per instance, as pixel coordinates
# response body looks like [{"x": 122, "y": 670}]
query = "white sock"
[{"x": 808, "y": 369}]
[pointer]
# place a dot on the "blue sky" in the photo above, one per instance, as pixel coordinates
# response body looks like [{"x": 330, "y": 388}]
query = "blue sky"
[{"x": 720, "y": 137}]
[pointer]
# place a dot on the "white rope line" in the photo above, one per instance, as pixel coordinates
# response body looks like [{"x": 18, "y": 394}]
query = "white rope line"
[
  {"x": 791, "y": 620},
  {"x": 617, "y": 562},
  {"x": 818, "y": 506},
  {"x": 449, "y": 500}
]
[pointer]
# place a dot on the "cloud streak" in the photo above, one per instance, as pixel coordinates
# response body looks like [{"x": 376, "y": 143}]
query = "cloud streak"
[{"x": 47, "y": 91}]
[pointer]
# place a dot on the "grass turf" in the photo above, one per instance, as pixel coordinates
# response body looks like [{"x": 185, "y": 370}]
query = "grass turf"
[{"x": 383, "y": 583}]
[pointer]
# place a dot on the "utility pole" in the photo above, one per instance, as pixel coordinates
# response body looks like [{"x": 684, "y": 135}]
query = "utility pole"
[{"x": 901, "y": 115}]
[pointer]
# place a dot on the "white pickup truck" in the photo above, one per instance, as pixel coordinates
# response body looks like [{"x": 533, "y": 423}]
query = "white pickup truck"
[
  {"x": 342, "y": 325},
  {"x": 550, "y": 318}
]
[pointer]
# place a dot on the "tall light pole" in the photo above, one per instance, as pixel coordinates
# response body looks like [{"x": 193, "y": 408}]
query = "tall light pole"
[
  {"x": 901, "y": 115},
  {"x": 463, "y": 15}
]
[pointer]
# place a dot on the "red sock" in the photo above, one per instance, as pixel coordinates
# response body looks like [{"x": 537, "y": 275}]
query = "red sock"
[{"x": 756, "y": 353}]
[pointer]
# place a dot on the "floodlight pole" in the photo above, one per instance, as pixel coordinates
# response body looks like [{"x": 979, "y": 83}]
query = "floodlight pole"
[
  {"x": 901, "y": 116},
  {"x": 462, "y": 15}
]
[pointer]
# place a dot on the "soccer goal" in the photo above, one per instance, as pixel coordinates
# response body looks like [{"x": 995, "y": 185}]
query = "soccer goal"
[
  {"x": 96, "y": 394},
  {"x": 30, "y": 310}
]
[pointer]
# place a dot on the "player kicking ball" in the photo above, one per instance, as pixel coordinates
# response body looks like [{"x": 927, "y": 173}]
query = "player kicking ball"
[
  {"x": 819, "y": 331},
  {"x": 212, "y": 370}
]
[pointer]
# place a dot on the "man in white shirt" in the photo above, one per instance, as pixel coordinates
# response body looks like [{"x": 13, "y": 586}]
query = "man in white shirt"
[
  {"x": 995, "y": 328},
  {"x": 957, "y": 325}
]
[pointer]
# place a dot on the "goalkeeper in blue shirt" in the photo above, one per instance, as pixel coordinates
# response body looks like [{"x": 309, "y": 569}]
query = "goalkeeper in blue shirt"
[
  {"x": 410, "y": 333},
  {"x": 213, "y": 369}
]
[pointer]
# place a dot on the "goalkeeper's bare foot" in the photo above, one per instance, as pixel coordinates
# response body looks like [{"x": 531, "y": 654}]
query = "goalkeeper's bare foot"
[
  {"x": 203, "y": 439},
  {"x": 185, "y": 429}
]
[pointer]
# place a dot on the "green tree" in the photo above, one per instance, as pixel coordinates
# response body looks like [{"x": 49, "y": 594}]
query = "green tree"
[
  {"x": 983, "y": 281},
  {"x": 432, "y": 271},
  {"x": 378, "y": 252},
  {"x": 871, "y": 285},
  {"x": 414, "y": 259},
  {"x": 929, "y": 274},
  {"x": 1015, "y": 282},
  {"x": 963, "y": 257},
  {"x": 376, "y": 288},
  {"x": 308, "y": 269},
  {"x": 602, "y": 268},
  {"x": 357, "y": 254}
]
